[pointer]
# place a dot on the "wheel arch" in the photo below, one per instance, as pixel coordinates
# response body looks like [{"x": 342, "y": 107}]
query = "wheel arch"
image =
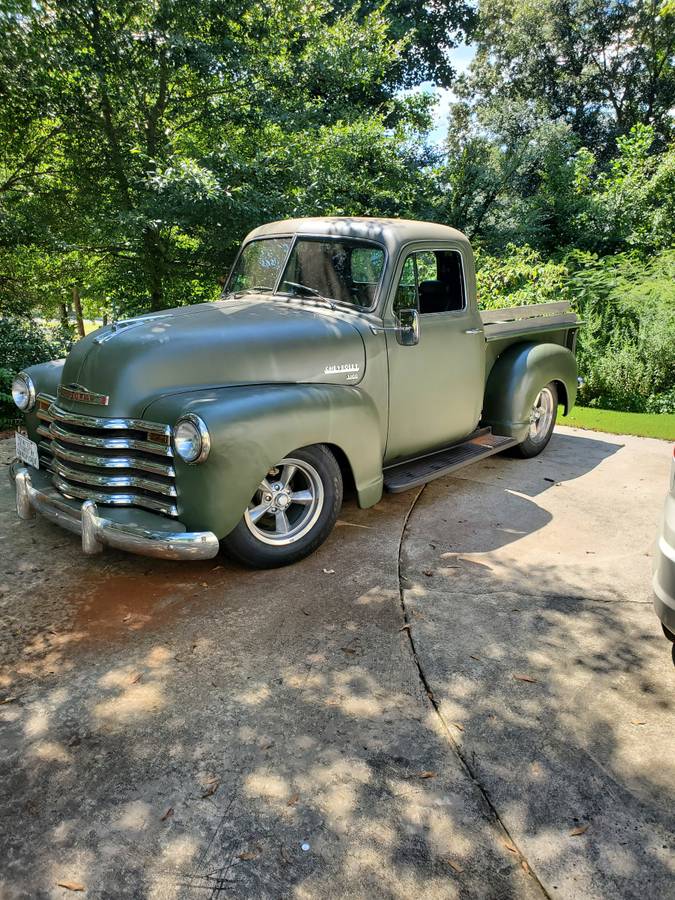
[
  {"x": 515, "y": 379},
  {"x": 563, "y": 397},
  {"x": 252, "y": 427}
]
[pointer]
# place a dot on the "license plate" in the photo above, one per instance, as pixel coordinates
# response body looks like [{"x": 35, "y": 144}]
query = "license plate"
[{"x": 27, "y": 450}]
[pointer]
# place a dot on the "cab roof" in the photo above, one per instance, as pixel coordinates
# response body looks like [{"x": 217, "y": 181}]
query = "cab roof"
[{"x": 393, "y": 233}]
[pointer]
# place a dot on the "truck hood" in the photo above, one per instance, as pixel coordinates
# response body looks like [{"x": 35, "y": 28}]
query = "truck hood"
[{"x": 251, "y": 341}]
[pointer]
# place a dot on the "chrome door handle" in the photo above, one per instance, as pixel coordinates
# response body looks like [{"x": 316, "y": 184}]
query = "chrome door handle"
[{"x": 473, "y": 331}]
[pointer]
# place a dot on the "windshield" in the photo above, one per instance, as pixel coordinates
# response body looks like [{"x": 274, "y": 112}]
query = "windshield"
[
  {"x": 343, "y": 270},
  {"x": 259, "y": 265}
]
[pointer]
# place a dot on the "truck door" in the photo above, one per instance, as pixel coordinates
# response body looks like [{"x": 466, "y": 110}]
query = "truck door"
[{"x": 435, "y": 386}]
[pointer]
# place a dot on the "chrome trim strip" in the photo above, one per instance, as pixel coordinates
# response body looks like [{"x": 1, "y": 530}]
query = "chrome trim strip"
[
  {"x": 30, "y": 385},
  {"x": 110, "y": 462},
  {"x": 97, "y": 530},
  {"x": 107, "y": 443},
  {"x": 122, "y": 324},
  {"x": 205, "y": 448},
  {"x": 62, "y": 415},
  {"x": 113, "y": 481},
  {"x": 118, "y": 499}
]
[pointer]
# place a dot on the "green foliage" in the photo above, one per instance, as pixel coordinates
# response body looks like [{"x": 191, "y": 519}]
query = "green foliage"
[
  {"x": 518, "y": 277},
  {"x": 24, "y": 343},
  {"x": 599, "y": 67},
  {"x": 630, "y": 203},
  {"x": 627, "y": 347}
]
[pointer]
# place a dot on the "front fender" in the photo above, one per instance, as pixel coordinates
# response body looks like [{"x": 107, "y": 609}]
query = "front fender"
[
  {"x": 253, "y": 427},
  {"x": 517, "y": 377}
]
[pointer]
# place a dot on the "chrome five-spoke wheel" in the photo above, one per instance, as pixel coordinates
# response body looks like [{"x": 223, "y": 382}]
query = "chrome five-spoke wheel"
[
  {"x": 292, "y": 511},
  {"x": 287, "y": 503},
  {"x": 541, "y": 415}
]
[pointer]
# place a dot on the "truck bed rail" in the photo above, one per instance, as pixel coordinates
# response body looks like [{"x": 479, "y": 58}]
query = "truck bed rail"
[{"x": 525, "y": 319}]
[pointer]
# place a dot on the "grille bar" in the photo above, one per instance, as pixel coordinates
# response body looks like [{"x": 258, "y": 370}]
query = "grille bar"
[
  {"x": 62, "y": 415},
  {"x": 113, "y": 481},
  {"x": 108, "y": 443},
  {"x": 113, "y": 499},
  {"x": 111, "y": 462}
]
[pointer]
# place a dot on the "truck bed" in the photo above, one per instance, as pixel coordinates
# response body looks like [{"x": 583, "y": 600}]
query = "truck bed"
[{"x": 514, "y": 321}]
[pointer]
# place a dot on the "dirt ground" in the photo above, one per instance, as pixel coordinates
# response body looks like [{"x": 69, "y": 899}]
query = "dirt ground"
[{"x": 465, "y": 693}]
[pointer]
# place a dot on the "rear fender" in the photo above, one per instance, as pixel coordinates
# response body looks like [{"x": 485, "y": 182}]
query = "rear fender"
[
  {"x": 517, "y": 377},
  {"x": 253, "y": 427}
]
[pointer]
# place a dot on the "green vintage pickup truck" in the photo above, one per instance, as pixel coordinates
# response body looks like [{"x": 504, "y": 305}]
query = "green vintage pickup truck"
[{"x": 343, "y": 351}]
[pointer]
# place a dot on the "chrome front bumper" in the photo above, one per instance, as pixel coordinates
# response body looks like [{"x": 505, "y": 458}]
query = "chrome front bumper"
[{"x": 97, "y": 530}]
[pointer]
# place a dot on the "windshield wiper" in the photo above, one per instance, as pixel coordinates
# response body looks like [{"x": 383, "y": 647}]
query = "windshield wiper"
[
  {"x": 311, "y": 291},
  {"x": 254, "y": 289}
]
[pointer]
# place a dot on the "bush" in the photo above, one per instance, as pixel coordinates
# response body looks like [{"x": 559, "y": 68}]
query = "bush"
[
  {"x": 518, "y": 277},
  {"x": 661, "y": 403},
  {"x": 626, "y": 345},
  {"x": 24, "y": 343}
]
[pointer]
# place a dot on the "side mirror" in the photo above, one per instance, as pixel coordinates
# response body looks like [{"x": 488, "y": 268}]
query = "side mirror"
[{"x": 408, "y": 331}]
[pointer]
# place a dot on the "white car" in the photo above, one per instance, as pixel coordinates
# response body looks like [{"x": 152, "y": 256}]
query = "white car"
[{"x": 664, "y": 563}]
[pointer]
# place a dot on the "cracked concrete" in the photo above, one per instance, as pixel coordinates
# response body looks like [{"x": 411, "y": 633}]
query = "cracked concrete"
[{"x": 183, "y": 730}]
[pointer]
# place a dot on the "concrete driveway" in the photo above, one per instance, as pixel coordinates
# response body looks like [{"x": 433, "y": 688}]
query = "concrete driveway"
[{"x": 465, "y": 693}]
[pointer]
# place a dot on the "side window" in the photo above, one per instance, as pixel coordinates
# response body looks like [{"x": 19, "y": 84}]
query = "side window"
[
  {"x": 441, "y": 283},
  {"x": 433, "y": 281}
]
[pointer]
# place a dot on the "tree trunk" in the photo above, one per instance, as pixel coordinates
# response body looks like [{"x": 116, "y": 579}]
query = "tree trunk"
[
  {"x": 77, "y": 306},
  {"x": 154, "y": 264},
  {"x": 63, "y": 310}
]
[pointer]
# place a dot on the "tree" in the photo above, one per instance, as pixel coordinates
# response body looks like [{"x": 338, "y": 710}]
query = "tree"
[
  {"x": 600, "y": 66},
  {"x": 429, "y": 30},
  {"x": 509, "y": 175},
  {"x": 153, "y": 135}
]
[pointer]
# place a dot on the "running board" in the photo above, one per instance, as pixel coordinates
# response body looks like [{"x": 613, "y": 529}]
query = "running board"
[{"x": 415, "y": 472}]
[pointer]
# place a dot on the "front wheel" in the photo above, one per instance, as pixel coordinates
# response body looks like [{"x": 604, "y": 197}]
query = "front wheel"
[
  {"x": 291, "y": 513},
  {"x": 542, "y": 422}
]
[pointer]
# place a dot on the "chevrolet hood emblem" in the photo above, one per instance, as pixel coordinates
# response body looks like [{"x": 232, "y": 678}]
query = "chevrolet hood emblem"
[{"x": 80, "y": 394}]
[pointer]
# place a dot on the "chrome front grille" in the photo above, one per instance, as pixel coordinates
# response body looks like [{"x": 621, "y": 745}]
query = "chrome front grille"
[{"x": 116, "y": 462}]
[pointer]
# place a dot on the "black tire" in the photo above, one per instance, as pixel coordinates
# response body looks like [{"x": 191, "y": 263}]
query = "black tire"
[
  {"x": 259, "y": 541},
  {"x": 535, "y": 443},
  {"x": 668, "y": 633}
]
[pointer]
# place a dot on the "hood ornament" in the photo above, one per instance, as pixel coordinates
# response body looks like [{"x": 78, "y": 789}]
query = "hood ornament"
[{"x": 80, "y": 394}]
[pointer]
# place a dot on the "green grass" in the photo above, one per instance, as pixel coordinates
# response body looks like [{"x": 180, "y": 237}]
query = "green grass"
[{"x": 640, "y": 424}]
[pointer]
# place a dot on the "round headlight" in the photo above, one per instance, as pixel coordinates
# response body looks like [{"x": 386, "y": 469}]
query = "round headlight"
[
  {"x": 23, "y": 392},
  {"x": 191, "y": 439}
]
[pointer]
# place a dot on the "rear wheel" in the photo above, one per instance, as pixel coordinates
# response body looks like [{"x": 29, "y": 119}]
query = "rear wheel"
[
  {"x": 668, "y": 633},
  {"x": 542, "y": 422},
  {"x": 292, "y": 511}
]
